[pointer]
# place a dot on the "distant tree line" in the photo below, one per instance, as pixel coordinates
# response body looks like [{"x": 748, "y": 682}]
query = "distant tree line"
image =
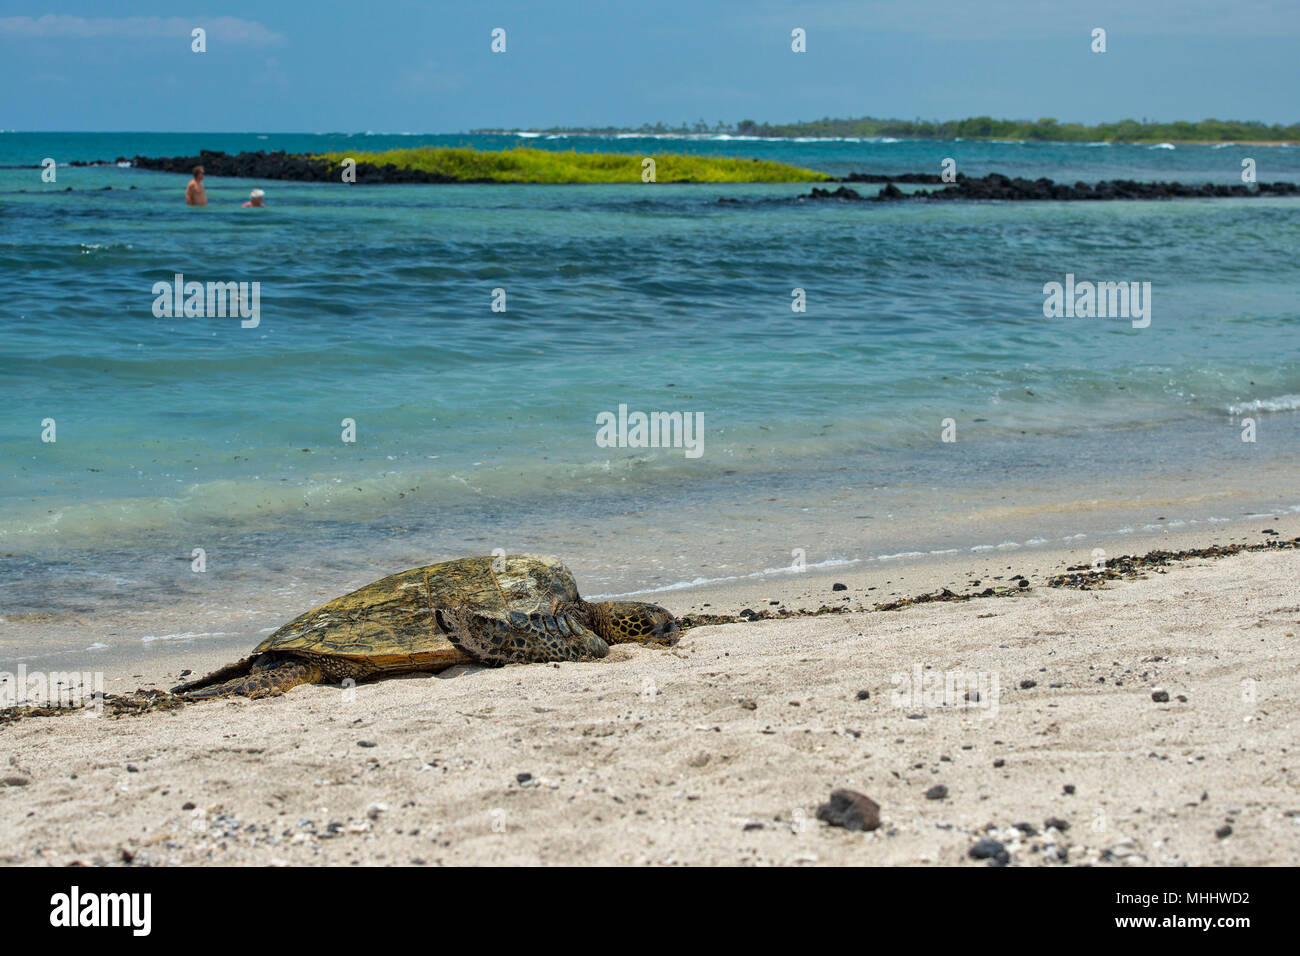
[
  {"x": 985, "y": 127},
  {"x": 978, "y": 127}
]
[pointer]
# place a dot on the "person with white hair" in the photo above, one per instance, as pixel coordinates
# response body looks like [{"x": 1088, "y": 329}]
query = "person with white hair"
[{"x": 255, "y": 198}]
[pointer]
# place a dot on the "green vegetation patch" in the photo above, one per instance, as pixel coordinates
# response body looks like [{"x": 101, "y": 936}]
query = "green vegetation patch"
[{"x": 523, "y": 165}]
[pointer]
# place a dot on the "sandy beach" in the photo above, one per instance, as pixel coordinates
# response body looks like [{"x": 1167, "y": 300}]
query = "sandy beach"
[{"x": 1149, "y": 719}]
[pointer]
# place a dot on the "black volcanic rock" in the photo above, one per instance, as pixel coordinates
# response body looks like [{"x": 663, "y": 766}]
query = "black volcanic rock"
[
  {"x": 996, "y": 186},
  {"x": 897, "y": 178},
  {"x": 278, "y": 164},
  {"x": 842, "y": 193},
  {"x": 850, "y": 810}
]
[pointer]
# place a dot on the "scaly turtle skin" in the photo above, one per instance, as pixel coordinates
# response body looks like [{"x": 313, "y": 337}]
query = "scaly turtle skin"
[{"x": 517, "y": 609}]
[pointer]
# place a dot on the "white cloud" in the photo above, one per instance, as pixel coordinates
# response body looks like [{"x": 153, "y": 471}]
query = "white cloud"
[{"x": 231, "y": 30}]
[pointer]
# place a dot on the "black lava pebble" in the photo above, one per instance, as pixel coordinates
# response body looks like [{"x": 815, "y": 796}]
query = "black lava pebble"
[
  {"x": 850, "y": 810},
  {"x": 993, "y": 851}
]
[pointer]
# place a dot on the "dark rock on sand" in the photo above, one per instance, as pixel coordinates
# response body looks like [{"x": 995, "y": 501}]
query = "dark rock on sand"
[
  {"x": 850, "y": 810},
  {"x": 937, "y": 792},
  {"x": 992, "y": 850}
]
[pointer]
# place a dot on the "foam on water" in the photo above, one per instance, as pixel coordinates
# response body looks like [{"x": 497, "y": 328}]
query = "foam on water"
[{"x": 1280, "y": 403}]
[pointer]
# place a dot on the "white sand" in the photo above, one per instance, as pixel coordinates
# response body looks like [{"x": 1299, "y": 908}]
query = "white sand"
[{"x": 651, "y": 756}]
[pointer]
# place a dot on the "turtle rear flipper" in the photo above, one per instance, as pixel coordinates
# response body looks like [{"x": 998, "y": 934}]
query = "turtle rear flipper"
[
  {"x": 515, "y": 637},
  {"x": 248, "y": 678}
]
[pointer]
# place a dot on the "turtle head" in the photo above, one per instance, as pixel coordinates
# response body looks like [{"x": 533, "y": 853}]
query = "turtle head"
[{"x": 623, "y": 622}]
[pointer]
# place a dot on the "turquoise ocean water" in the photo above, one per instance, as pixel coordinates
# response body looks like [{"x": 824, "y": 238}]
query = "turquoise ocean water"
[{"x": 477, "y": 429}]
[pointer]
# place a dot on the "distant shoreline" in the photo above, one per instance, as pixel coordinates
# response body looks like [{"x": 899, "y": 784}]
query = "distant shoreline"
[
  {"x": 757, "y": 137},
  {"x": 1208, "y": 131}
]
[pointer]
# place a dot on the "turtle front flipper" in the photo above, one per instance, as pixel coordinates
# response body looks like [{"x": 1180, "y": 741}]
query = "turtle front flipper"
[
  {"x": 252, "y": 678},
  {"x": 230, "y": 671},
  {"x": 514, "y": 637}
]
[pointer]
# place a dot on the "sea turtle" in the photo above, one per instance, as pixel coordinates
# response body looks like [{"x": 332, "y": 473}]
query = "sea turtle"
[{"x": 511, "y": 609}]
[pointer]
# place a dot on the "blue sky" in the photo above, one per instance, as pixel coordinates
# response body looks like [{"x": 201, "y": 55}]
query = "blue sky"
[{"x": 293, "y": 65}]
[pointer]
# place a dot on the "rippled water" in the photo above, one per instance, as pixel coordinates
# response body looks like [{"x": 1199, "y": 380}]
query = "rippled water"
[{"x": 476, "y": 429}]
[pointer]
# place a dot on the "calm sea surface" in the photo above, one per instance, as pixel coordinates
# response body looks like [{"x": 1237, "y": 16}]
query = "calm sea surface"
[{"x": 477, "y": 429}]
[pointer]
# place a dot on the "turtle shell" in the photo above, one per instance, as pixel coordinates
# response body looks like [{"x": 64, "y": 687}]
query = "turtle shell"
[{"x": 390, "y": 625}]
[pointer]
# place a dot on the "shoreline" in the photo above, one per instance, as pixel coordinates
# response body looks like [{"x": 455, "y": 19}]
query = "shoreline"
[
  {"x": 149, "y": 602},
  {"x": 872, "y": 587},
  {"x": 721, "y": 749}
]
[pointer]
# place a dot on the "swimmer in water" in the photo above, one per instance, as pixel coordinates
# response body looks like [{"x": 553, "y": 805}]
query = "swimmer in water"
[
  {"x": 255, "y": 199},
  {"x": 195, "y": 194}
]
